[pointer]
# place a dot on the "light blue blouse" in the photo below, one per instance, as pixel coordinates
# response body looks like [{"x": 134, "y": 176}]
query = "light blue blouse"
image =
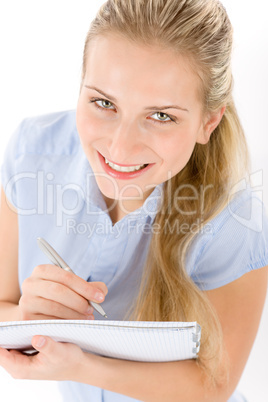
[{"x": 47, "y": 177}]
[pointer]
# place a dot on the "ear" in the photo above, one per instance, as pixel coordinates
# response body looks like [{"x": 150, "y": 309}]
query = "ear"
[{"x": 212, "y": 122}]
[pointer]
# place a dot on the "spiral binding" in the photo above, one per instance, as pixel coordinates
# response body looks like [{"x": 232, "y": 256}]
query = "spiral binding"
[{"x": 196, "y": 339}]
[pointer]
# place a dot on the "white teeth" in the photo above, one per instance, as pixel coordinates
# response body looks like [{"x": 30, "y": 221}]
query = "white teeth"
[{"x": 123, "y": 168}]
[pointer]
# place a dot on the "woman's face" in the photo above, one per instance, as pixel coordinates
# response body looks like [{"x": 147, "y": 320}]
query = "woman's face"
[{"x": 138, "y": 106}]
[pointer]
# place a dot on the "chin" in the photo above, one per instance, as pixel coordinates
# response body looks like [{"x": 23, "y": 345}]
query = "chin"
[{"x": 110, "y": 188}]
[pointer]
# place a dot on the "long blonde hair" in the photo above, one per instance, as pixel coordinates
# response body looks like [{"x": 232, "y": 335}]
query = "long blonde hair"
[{"x": 200, "y": 30}]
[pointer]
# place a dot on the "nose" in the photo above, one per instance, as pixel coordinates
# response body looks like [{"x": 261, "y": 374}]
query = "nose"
[{"x": 124, "y": 143}]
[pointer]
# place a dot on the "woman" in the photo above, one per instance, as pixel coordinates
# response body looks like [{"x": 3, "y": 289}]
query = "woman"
[{"x": 136, "y": 190}]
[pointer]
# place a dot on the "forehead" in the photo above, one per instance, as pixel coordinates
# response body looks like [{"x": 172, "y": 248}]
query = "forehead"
[{"x": 118, "y": 65}]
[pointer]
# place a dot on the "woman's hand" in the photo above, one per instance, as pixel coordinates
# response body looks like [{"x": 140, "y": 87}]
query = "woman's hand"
[
  {"x": 55, "y": 361},
  {"x": 52, "y": 293}
]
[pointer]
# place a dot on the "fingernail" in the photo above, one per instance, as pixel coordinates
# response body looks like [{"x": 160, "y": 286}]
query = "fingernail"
[
  {"x": 90, "y": 317},
  {"x": 40, "y": 342},
  {"x": 99, "y": 296},
  {"x": 89, "y": 310}
]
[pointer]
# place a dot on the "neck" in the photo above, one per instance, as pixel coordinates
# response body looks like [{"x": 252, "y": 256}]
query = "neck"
[{"x": 117, "y": 209}]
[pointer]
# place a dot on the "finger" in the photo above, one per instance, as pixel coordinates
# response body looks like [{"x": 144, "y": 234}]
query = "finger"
[
  {"x": 4, "y": 354},
  {"x": 46, "y": 307},
  {"x": 5, "y": 359},
  {"x": 15, "y": 363},
  {"x": 101, "y": 286},
  {"x": 63, "y": 295},
  {"x": 14, "y": 352},
  {"x": 39, "y": 316},
  {"x": 38, "y": 342},
  {"x": 89, "y": 290},
  {"x": 52, "y": 350},
  {"x": 46, "y": 345}
]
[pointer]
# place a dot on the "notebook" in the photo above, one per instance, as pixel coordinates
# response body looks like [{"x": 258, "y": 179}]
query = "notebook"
[{"x": 131, "y": 340}]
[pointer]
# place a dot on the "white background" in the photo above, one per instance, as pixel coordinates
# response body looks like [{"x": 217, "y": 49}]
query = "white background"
[{"x": 41, "y": 46}]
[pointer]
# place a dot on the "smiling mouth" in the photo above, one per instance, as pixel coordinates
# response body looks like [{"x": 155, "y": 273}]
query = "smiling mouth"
[{"x": 125, "y": 168}]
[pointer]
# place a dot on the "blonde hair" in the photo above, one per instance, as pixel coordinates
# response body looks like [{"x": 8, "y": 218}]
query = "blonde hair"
[{"x": 201, "y": 31}]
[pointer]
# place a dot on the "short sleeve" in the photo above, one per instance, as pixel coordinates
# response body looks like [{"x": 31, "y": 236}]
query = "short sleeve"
[
  {"x": 37, "y": 141},
  {"x": 236, "y": 243},
  {"x": 9, "y": 165}
]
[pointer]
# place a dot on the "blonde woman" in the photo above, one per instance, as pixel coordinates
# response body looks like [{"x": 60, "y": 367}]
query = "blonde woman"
[{"x": 142, "y": 191}]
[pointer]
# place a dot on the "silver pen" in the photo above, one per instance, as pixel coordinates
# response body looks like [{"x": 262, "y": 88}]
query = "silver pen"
[{"x": 57, "y": 260}]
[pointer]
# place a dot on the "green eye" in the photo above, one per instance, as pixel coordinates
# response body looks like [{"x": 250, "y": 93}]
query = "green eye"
[
  {"x": 102, "y": 104},
  {"x": 162, "y": 116},
  {"x": 106, "y": 104}
]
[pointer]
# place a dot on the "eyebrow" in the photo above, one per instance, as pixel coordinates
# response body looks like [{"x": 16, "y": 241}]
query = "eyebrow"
[{"x": 147, "y": 108}]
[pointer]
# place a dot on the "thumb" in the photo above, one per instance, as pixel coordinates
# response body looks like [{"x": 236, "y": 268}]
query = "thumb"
[
  {"x": 44, "y": 344},
  {"x": 38, "y": 342}
]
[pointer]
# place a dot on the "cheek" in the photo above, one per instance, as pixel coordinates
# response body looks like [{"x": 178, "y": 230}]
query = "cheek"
[
  {"x": 179, "y": 150},
  {"x": 88, "y": 127},
  {"x": 175, "y": 154}
]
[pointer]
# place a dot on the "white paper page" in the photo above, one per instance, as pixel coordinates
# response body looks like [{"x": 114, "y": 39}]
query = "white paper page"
[{"x": 131, "y": 340}]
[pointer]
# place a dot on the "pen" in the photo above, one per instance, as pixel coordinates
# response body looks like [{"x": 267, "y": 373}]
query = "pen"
[{"x": 57, "y": 260}]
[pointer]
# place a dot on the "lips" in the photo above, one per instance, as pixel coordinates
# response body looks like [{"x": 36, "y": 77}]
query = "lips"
[
  {"x": 119, "y": 164},
  {"x": 126, "y": 168},
  {"x": 123, "y": 175}
]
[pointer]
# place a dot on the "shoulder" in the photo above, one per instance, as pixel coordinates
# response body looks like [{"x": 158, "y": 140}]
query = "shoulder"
[
  {"x": 244, "y": 213},
  {"x": 231, "y": 244},
  {"x": 50, "y": 134}
]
